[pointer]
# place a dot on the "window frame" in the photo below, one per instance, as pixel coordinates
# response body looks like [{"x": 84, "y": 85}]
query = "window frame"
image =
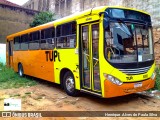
[
  {"x": 46, "y": 39},
  {"x": 32, "y": 40},
  {"x": 27, "y": 42},
  {"x": 17, "y": 43},
  {"x": 70, "y": 34}
]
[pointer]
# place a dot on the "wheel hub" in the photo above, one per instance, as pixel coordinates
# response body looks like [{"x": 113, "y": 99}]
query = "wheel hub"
[
  {"x": 70, "y": 84},
  {"x": 20, "y": 72}
]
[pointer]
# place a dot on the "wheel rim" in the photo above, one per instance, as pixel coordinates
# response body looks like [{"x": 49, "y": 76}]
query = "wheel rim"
[
  {"x": 20, "y": 71},
  {"x": 70, "y": 84}
]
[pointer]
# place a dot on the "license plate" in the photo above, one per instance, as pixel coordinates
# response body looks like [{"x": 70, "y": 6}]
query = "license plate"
[{"x": 139, "y": 84}]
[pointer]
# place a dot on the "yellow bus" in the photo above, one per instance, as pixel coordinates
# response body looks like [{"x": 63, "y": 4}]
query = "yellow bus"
[{"x": 106, "y": 51}]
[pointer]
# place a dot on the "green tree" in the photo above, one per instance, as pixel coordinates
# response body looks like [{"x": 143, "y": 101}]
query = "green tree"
[{"x": 41, "y": 18}]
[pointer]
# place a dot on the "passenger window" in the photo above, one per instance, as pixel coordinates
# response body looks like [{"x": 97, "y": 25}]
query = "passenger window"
[
  {"x": 74, "y": 28},
  {"x": 49, "y": 33},
  {"x": 34, "y": 40},
  {"x": 24, "y": 42},
  {"x": 66, "y": 35},
  {"x": 16, "y": 40},
  {"x": 30, "y": 37},
  {"x": 42, "y": 34},
  {"x": 17, "y": 43},
  {"x": 58, "y": 31},
  {"x": 47, "y": 38},
  {"x": 24, "y": 38},
  {"x": 35, "y": 36}
]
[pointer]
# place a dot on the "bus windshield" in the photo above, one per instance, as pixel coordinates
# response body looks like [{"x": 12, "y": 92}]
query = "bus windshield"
[{"x": 128, "y": 42}]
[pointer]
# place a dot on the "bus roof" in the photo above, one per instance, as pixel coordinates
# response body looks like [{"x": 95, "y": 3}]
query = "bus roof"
[{"x": 72, "y": 17}]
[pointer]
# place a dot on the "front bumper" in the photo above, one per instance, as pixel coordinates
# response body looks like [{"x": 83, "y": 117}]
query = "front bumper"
[{"x": 113, "y": 90}]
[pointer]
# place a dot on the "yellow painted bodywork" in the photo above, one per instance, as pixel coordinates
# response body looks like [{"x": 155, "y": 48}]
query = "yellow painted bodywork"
[
  {"x": 35, "y": 64},
  {"x": 69, "y": 60}
]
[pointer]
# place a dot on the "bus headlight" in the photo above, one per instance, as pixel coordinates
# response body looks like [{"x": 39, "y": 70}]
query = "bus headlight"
[
  {"x": 113, "y": 79},
  {"x": 153, "y": 76}
]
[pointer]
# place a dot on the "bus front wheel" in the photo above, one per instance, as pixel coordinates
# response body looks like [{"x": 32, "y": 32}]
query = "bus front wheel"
[
  {"x": 69, "y": 84},
  {"x": 20, "y": 70}
]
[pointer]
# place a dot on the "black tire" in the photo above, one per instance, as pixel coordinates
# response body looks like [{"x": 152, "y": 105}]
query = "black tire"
[
  {"x": 69, "y": 84},
  {"x": 20, "y": 70}
]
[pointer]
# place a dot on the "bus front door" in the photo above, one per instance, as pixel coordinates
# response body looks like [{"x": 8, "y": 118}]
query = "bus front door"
[{"x": 90, "y": 77}]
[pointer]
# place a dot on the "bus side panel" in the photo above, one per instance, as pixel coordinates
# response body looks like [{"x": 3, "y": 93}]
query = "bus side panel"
[
  {"x": 36, "y": 63},
  {"x": 11, "y": 61},
  {"x": 69, "y": 60}
]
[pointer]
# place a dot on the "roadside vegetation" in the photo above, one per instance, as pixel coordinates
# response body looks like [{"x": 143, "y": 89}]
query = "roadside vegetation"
[
  {"x": 157, "y": 85},
  {"x": 10, "y": 79},
  {"x": 42, "y": 18}
]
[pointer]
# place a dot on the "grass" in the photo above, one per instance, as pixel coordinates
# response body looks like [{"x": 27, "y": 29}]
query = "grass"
[
  {"x": 157, "y": 85},
  {"x": 28, "y": 93},
  {"x": 16, "y": 95},
  {"x": 10, "y": 79}
]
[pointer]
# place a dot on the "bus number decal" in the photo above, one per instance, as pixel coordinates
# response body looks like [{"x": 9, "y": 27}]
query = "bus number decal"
[
  {"x": 129, "y": 78},
  {"x": 145, "y": 76},
  {"x": 50, "y": 56}
]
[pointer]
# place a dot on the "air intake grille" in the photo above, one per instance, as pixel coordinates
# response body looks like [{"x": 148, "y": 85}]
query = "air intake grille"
[{"x": 135, "y": 71}]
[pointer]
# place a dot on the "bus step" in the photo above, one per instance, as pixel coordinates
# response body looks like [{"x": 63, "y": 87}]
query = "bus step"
[{"x": 91, "y": 92}]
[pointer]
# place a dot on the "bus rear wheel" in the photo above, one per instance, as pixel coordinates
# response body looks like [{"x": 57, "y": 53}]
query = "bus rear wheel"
[
  {"x": 69, "y": 84},
  {"x": 20, "y": 70}
]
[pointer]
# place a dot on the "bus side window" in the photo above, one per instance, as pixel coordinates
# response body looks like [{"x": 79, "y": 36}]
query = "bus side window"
[
  {"x": 42, "y": 34},
  {"x": 66, "y": 35},
  {"x": 24, "y": 42},
  {"x": 34, "y": 40},
  {"x": 47, "y": 38},
  {"x": 30, "y": 37},
  {"x": 17, "y": 43}
]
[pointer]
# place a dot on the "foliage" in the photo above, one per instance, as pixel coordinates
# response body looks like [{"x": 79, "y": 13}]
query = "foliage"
[
  {"x": 10, "y": 79},
  {"x": 157, "y": 84},
  {"x": 41, "y": 18}
]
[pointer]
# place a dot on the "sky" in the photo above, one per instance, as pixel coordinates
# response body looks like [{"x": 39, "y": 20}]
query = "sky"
[{"x": 19, "y": 2}]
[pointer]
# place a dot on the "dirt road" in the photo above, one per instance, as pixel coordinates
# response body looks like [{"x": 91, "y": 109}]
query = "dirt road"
[{"x": 50, "y": 97}]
